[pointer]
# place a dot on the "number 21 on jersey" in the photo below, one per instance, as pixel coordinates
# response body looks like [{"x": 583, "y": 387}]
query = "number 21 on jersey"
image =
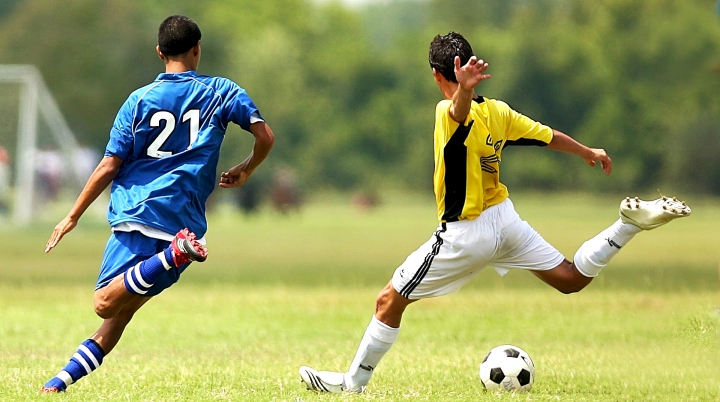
[{"x": 193, "y": 115}]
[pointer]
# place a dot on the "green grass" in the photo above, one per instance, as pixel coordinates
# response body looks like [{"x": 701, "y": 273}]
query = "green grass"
[{"x": 279, "y": 292}]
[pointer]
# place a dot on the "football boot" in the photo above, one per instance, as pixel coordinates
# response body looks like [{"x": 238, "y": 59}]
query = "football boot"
[{"x": 648, "y": 215}]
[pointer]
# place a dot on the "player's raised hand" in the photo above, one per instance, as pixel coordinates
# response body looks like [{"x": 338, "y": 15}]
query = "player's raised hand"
[
  {"x": 601, "y": 156},
  {"x": 61, "y": 229},
  {"x": 236, "y": 176},
  {"x": 471, "y": 74}
]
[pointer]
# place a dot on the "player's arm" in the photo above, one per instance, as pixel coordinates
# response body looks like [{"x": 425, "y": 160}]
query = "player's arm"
[
  {"x": 468, "y": 77},
  {"x": 103, "y": 175},
  {"x": 564, "y": 143},
  {"x": 264, "y": 139}
]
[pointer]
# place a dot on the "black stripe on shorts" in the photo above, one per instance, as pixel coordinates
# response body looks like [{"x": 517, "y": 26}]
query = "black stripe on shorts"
[{"x": 425, "y": 267}]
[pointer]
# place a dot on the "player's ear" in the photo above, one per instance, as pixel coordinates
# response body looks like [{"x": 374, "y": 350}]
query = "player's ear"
[
  {"x": 437, "y": 75},
  {"x": 160, "y": 54}
]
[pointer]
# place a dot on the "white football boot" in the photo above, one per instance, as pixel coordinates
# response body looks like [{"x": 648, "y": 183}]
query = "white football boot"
[
  {"x": 327, "y": 381},
  {"x": 648, "y": 215}
]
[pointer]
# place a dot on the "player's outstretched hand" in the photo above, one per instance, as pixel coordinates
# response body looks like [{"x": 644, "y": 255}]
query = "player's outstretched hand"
[
  {"x": 469, "y": 75},
  {"x": 61, "y": 229},
  {"x": 601, "y": 156},
  {"x": 236, "y": 176}
]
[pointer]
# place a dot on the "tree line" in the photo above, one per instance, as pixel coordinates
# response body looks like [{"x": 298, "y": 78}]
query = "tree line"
[{"x": 350, "y": 95}]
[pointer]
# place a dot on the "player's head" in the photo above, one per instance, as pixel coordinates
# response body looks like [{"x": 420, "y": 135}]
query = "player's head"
[
  {"x": 443, "y": 50},
  {"x": 178, "y": 35}
]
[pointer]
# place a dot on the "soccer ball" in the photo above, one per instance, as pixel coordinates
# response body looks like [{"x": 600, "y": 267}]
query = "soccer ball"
[{"x": 507, "y": 368}]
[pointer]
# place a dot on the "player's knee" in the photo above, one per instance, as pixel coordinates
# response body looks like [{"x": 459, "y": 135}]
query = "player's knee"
[
  {"x": 390, "y": 302},
  {"x": 383, "y": 299},
  {"x": 103, "y": 308},
  {"x": 103, "y": 311}
]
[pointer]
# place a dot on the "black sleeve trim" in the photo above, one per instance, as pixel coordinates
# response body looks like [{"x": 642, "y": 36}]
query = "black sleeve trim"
[{"x": 525, "y": 142}]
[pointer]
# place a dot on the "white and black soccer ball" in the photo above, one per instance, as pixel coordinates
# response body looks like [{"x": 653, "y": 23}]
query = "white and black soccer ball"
[{"x": 507, "y": 368}]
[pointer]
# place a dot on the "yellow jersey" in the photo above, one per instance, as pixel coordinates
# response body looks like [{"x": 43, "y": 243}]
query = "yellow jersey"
[{"x": 467, "y": 156}]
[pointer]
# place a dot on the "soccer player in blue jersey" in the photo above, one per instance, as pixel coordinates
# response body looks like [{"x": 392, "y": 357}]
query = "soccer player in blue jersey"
[{"x": 161, "y": 159}]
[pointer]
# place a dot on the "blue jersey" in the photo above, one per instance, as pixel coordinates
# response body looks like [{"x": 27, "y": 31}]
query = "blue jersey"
[{"x": 168, "y": 135}]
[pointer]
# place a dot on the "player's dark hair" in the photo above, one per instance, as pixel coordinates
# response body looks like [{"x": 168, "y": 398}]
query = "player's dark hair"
[
  {"x": 443, "y": 50},
  {"x": 177, "y": 35}
]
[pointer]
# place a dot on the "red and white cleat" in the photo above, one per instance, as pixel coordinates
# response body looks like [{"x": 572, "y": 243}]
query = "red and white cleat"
[{"x": 185, "y": 248}]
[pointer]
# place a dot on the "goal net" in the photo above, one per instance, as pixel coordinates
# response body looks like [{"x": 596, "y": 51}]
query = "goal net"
[{"x": 39, "y": 155}]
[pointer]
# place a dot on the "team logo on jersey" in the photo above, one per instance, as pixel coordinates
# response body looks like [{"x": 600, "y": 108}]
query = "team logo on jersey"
[
  {"x": 486, "y": 162},
  {"x": 489, "y": 142}
]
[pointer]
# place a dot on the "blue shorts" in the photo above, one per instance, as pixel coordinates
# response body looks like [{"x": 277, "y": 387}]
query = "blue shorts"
[{"x": 125, "y": 250}]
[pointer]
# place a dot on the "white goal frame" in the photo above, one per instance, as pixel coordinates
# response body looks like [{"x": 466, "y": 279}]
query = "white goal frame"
[{"x": 34, "y": 98}]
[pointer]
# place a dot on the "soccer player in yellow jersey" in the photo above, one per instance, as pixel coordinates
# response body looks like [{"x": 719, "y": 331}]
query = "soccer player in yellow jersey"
[{"x": 478, "y": 223}]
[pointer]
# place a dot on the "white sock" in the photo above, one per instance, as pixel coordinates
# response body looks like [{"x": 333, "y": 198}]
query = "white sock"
[
  {"x": 597, "y": 252},
  {"x": 375, "y": 343}
]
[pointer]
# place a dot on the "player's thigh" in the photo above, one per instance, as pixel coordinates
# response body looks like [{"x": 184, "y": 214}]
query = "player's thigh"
[
  {"x": 452, "y": 256},
  {"x": 522, "y": 247}
]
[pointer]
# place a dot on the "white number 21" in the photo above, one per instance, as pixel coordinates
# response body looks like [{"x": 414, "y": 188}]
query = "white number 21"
[{"x": 193, "y": 115}]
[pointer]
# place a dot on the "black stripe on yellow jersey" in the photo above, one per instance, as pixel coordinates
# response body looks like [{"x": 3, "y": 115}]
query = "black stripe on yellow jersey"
[{"x": 467, "y": 156}]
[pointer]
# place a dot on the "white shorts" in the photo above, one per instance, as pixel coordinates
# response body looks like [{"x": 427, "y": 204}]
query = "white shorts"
[{"x": 458, "y": 251}]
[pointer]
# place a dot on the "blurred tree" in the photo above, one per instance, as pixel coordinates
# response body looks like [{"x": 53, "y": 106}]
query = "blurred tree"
[
  {"x": 91, "y": 54},
  {"x": 349, "y": 91},
  {"x": 6, "y": 7},
  {"x": 626, "y": 75}
]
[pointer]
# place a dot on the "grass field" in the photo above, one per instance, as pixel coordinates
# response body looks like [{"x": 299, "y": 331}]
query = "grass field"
[{"x": 278, "y": 292}]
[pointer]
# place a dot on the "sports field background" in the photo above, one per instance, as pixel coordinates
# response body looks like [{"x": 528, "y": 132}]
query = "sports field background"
[{"x": 280, "y": 291}]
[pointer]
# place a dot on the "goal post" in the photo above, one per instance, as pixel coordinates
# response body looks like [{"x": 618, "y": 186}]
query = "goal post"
[{"x": 35, "y": 101}]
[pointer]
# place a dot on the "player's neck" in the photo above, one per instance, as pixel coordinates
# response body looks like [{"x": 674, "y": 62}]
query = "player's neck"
[
  {"x": 448, "y": 89},
  {"x": 176, "y": 66}
]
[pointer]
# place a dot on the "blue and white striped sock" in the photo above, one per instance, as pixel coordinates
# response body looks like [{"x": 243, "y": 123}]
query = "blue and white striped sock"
[
  {"x": 142, "y": 276},
  {"x": 87, "y": 359}
]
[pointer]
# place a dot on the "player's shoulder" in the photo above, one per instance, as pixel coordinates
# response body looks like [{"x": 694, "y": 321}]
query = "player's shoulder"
[
  {"x": 496, "y": 107},
  {"x": 137, "y": 96},
  {"x": 443, "y": 105},
  {"x": 218, "y": 82},
  {"x": 138, "y": 93},
  {"x": 496, "y": 103}
]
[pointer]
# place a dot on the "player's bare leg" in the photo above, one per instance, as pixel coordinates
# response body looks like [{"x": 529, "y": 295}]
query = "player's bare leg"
[
  {"x": 565, "y": 277},
  {"x": 111, "y": 299},
  {"x": 119, "y": 300},
  {"x": 380, "y": 335},
  {"x": 91, "y": 352},
  {"x": 390, "y": 306},
  {"x": 109, "y": 333}
]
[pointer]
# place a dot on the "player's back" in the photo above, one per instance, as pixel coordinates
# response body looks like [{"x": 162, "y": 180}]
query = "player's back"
[{"x": 168, "y": 134}]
